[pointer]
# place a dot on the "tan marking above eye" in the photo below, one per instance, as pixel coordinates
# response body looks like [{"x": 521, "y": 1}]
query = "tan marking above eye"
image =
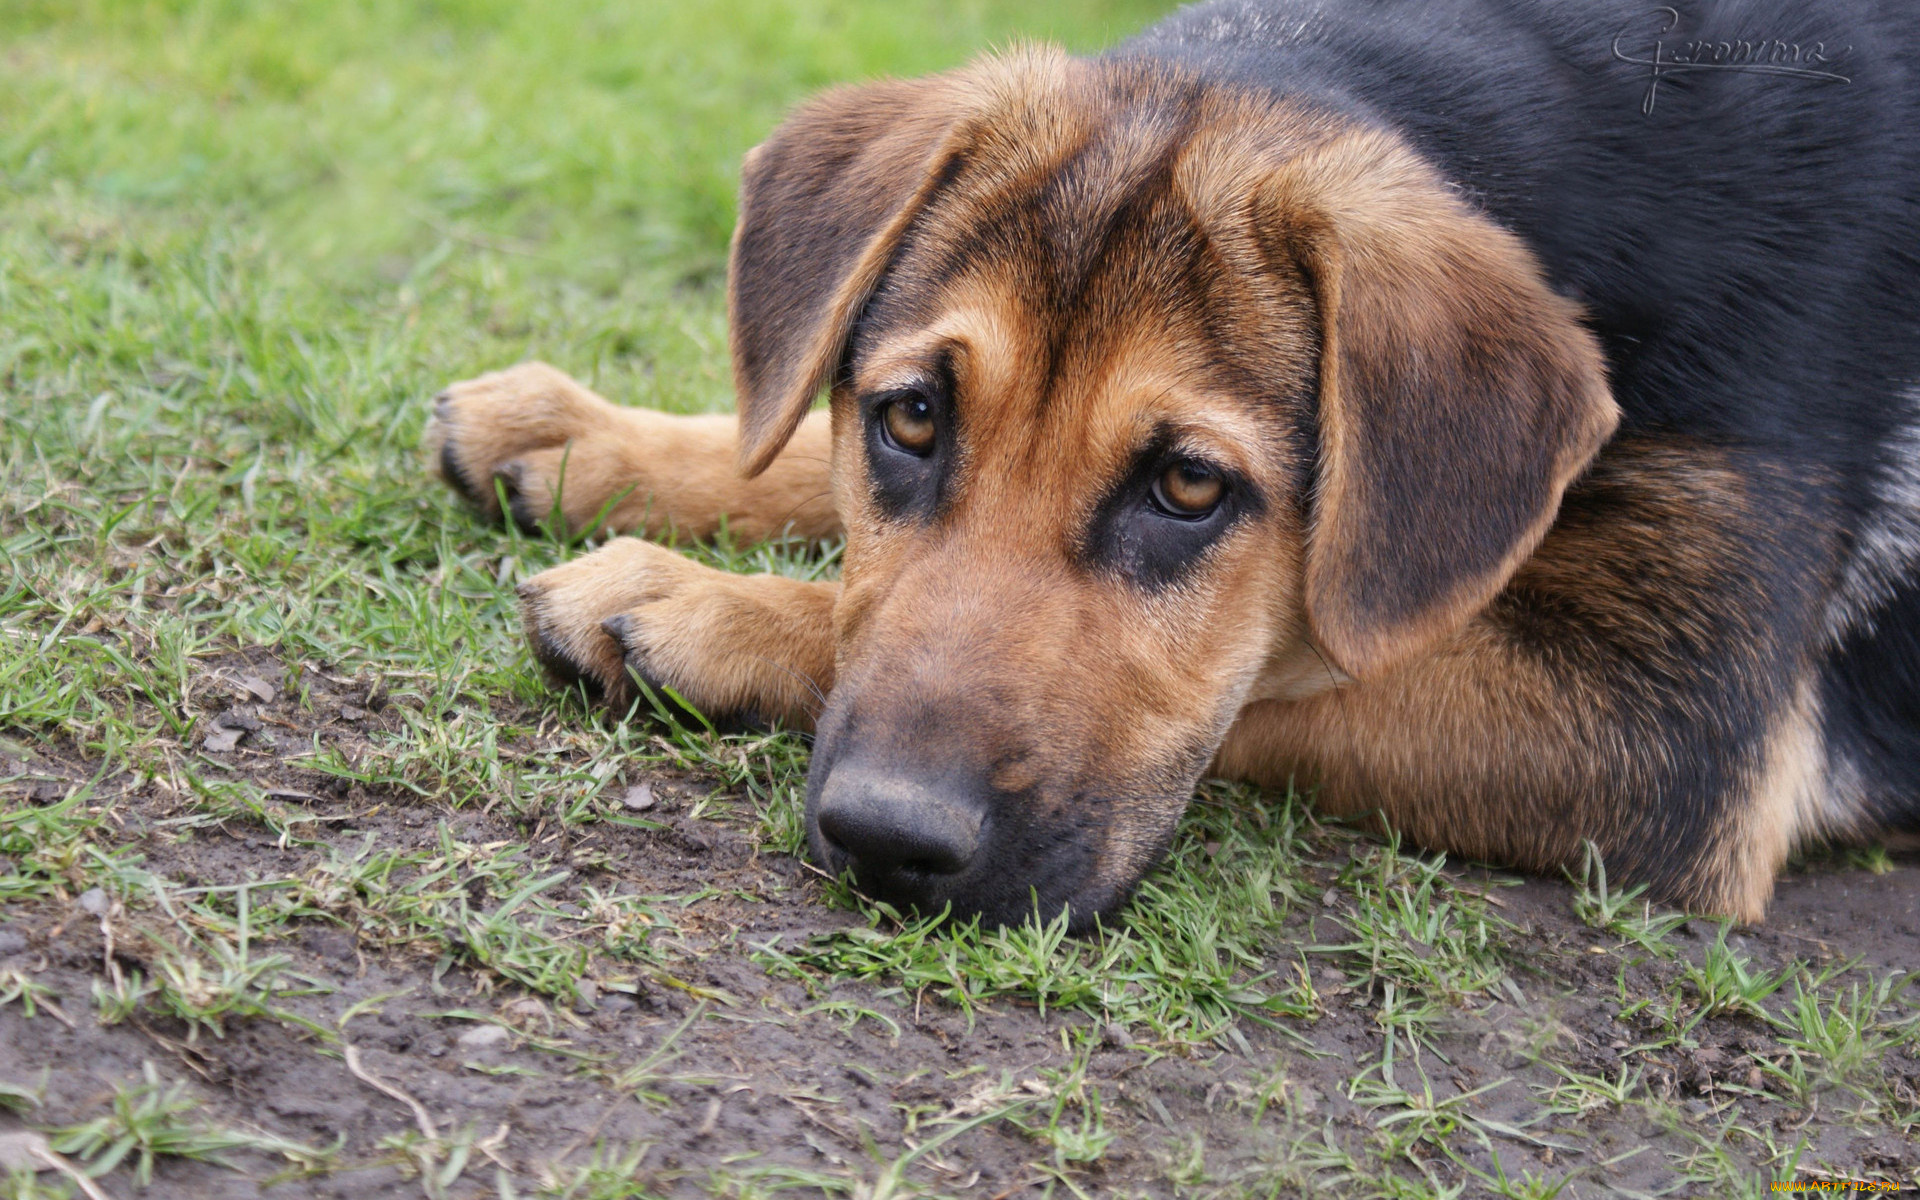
[
  {"x": 1189, "y": 489},
  {"x": 909, "y": 423}
]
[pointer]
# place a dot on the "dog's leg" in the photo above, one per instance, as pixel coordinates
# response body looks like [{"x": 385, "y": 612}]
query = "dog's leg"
[
  {"x": 556, "y": 448},
  {"x": 749, "y": 648},
  {"x": 1482, "y": 753}
]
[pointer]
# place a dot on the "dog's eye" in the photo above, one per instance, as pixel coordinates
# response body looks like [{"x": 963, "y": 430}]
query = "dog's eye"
[
  {"x": 1188, "y": 489},
  {"x": 908, "y": 424}
]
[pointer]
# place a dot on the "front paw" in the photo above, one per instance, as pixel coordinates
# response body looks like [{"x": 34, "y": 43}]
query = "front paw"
[
  {"x": 742, "y": 650},
  {"x": 533, "y": 436},
  {"x": 570, "y": 612},
  {"x": 632, "y": 612}
]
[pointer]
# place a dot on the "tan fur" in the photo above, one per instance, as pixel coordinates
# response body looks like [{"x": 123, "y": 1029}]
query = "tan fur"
[
  {"x": 653, "y": 473},
  {"x": 1321, "y": 642},
  {"x": 727, "y": 643},
  {"x": 1789, "y": 785},
  {"x": 1496, "y": 752}
]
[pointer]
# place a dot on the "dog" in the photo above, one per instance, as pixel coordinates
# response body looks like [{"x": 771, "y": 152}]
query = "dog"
[{"x": 1503, "y": 418}]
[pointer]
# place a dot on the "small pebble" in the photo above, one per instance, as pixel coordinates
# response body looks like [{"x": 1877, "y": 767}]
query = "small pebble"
[
  {"x": 94, "y": 900},
  {"x": 587, "y": 997},
  {"x": 1114, "y": 1034},
  {"x": 482, "y": 1036},
  {"x": 525, "y": 1011},
  {"x": 12, "y": 941},
  {"x": 24, "y": 1150},
  {"x": 639, "y": 797}
]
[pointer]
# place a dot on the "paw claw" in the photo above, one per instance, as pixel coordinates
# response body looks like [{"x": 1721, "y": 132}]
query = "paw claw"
[
  {"x": 561, "y": 665},
  {"x": 641, "y": 679},
  {"x": 513, "y": 427},
  {"x": 450, "y": 471},
  {"x": 609, "y": 620},
  {"x": 511, "y": 479}
]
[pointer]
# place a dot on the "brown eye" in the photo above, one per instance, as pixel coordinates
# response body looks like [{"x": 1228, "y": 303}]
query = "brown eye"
[
  {"x": 909, "y": 424},
  {"x": 1188, "y": 489}
]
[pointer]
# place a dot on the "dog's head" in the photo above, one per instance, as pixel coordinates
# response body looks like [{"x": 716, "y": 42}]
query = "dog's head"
[{"x": 1150, "y": 399}]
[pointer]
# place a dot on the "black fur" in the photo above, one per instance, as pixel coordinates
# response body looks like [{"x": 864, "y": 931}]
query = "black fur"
[
  {"x": 1747, "y": 248},
  {"x": 1131, "y": 536},
  {"x": 1747, "y": 251}
]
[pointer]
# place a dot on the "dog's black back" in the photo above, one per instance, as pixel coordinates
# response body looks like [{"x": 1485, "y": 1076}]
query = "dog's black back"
[
  {"x": 1732, "y": 192},
  {"x": 1757, "y": 219}
]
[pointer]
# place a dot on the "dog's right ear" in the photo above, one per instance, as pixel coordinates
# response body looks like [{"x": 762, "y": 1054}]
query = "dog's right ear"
[{"x": 823, "y": 203}]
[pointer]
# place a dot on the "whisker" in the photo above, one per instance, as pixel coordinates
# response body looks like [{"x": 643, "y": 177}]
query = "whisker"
[
  {"x": 1332, "y": 679},
  {"x": 803, "y": 680},
  {"x": 787, "y": 518}
]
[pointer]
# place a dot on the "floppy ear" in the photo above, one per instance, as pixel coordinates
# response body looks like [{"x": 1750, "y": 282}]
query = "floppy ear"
[
  {"x": 1459, "y": 395},
  {"x": 823, "y": 202}
]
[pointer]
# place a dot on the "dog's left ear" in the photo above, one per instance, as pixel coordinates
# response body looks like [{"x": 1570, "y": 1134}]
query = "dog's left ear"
[
  {"x": 1459, "y": 395},
  {"x": 823, "y": 203}
]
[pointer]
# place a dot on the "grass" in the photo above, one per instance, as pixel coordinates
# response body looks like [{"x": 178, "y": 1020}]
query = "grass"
[
  {"x": 1614, "y": 912},
  {"x": 149, "y": 1120},
  {"x": 240, "y": 244},
  {"x": 1186, "y": 967}
]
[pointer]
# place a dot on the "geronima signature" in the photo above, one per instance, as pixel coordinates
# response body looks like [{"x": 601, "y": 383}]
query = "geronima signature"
[{"x": 1764, "y": 56}]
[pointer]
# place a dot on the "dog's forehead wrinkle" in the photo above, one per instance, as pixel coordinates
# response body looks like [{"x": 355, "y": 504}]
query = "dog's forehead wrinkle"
[
  {"x": 1071, "y": 273},
  {"x": 1108, "y": 188},
  {"x": 1061, "y": 176}
]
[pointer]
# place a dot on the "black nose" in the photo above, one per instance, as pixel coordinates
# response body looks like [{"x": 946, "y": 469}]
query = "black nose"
[{"x": 898, "y": 834}]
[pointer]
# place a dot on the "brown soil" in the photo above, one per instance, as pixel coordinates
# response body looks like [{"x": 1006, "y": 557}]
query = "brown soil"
[{"x": 754, "y": 1083}]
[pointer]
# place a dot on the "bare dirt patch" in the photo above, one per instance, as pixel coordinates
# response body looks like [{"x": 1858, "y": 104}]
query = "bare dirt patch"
[{"x": 485, "y": 1000}]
